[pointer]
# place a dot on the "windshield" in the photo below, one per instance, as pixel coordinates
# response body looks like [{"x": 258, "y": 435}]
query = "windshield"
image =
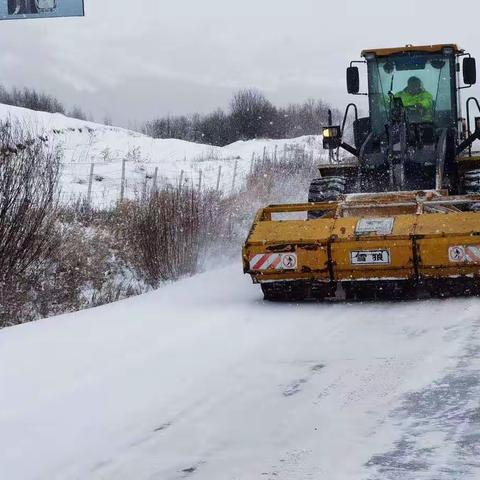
[{"x": 423, "y": 82}]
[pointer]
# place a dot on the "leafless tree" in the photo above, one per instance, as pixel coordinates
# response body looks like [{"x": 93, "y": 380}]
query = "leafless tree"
[
  {"x": 252, "y": 115},
  {"x": 78, "y": 113},
  {"x": 30, "y": 98}
]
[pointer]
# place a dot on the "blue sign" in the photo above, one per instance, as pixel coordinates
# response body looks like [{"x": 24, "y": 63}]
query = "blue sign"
[{"x": 19, "y": 9}]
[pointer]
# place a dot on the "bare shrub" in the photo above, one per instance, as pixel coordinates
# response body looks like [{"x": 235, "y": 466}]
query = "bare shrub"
[
  {"x": 29, "y": 171},
  {"x": 170, "y": 230},
  {"x": 89, "y": 270}
]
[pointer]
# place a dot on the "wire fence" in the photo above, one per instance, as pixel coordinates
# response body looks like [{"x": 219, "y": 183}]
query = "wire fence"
[{"x": 106, "y": 183}]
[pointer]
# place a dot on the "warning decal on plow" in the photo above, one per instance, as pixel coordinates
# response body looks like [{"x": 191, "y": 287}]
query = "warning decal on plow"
[
  {"x": 464, "y": 254},
  {"x": 274, "y": 261}
]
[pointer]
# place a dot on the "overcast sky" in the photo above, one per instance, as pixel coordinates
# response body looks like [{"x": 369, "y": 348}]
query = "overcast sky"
[{"x": 137, "y": 59}]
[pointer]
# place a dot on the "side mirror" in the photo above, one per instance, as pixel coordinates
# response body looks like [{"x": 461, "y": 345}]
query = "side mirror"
[
  {"x": 353, "y": 80},
  {"x": 469, "y": 71}
]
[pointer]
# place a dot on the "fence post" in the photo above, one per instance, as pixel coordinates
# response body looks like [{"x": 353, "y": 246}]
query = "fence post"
[
  {"x": 155, "y": 180},
  {"x": 252, "y": 161},
  {"x": 90, "y": 182},
  {"x": 275, "y": 154},
  {"x": 284, "y": 152},
  {"x": 144, "y": 189},
  {"x": 122, "y": 181},
  {"x": 200, "y": 180},
  {"x": 219, "y": 177},
  {"x": 234, "y": 175},
  {"x": 264, "y": 153},
  {"x": 180, "y": 182}
]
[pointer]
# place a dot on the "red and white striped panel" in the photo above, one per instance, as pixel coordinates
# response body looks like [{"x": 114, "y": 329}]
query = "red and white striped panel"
[
  {"x": 473, "y": 253},
  {"x": 273, "y": 261},
  {"x": 464, "y": 254}
]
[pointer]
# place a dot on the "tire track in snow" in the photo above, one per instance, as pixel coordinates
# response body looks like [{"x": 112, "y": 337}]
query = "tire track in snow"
[
  {"x": 376, "y": 384},
  {"x": 376, "y": 388},
  {"x": 440, "y": 424}
]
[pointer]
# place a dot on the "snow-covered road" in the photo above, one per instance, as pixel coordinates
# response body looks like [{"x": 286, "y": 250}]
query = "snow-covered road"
[{"x": 204, "y": 380}]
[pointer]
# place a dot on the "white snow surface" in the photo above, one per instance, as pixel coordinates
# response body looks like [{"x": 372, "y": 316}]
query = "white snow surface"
[
  {"x": 202, "y": 379},
  {"x": 86, "y": 142}
]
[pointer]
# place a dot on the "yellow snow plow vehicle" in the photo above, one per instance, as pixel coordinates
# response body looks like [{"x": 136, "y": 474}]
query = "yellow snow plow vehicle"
[{"x": 400, "y": 216}]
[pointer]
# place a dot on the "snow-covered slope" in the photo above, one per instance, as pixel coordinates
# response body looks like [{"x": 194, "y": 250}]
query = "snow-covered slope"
[
  {"x": 204, "y": 380},
  {"x": 86, "y": 142}
]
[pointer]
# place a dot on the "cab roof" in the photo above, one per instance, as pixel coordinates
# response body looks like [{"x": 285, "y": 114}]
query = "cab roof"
[{"x": 386, "y": 52}]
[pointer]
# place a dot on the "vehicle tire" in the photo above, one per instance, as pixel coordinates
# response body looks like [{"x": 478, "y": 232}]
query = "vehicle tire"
[
  {"x": 471, "y": 182},
  {"x": 471, "y": 186},
  {"x": 326, "y": 189}
]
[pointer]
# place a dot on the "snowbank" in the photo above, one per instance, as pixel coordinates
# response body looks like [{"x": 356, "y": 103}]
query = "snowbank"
[{"x": 86, "y": 142}]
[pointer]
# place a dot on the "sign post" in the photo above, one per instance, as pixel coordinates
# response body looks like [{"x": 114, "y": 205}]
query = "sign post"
[{"x": 22, "y": 9}]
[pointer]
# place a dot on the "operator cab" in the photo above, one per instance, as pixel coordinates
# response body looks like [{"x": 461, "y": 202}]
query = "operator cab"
[
  {"x": 414, "y": 128},
  {"x": 433, "y": 99}
]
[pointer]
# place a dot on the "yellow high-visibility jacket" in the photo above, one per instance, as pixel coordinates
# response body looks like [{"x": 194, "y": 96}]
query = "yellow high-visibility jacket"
[{"x": 423, "y": 99}]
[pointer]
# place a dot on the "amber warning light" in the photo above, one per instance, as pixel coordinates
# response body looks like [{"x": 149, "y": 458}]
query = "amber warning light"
[{"x": 332, "y": 137}]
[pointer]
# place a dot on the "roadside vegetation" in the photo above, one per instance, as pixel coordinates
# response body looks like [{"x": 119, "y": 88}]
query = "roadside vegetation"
[{"x": 57, "y": 258}]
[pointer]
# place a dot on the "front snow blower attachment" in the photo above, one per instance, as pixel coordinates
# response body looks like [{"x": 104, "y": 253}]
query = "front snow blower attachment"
[
  {"x": 400, "y": 217},
  {"x": 380, "y": 246}
]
